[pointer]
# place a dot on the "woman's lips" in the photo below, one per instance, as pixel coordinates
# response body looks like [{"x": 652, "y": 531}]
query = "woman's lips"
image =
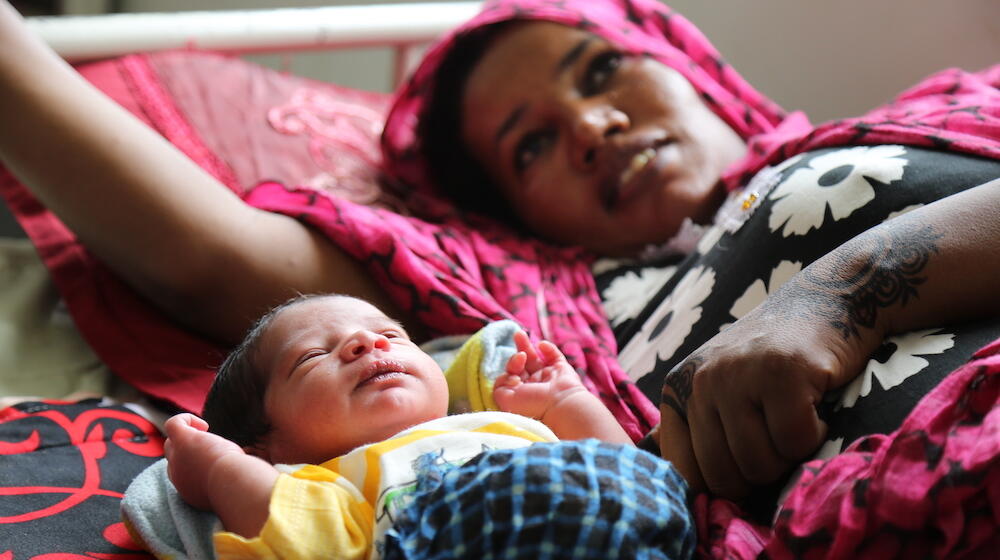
[
  {"x": 637, "y": 164},
  {"x": 638, "y": 174}
]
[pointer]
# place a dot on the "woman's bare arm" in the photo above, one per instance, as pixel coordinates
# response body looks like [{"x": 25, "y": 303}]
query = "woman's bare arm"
[
  {"x": 169, "y": 228},
  {"x": 741, "y": 410}
]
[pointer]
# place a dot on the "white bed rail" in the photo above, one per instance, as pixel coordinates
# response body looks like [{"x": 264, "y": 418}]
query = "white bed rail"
[{"x": 402, "y": 26}]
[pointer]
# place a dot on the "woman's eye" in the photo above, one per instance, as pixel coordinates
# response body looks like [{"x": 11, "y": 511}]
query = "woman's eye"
[
  {"x": 601, "y": 68},
  {"x": 529, "y": 148}
]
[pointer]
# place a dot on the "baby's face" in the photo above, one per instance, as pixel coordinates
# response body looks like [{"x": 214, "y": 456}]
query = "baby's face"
[{"x": 343, "y": 375}]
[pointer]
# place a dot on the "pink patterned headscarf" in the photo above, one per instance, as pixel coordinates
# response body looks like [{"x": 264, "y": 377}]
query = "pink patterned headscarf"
[
  {"x": 952, "y": 110},
  {"x": 643, "y": 27}
]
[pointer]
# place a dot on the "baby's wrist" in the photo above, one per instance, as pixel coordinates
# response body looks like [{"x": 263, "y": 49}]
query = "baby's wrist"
[
  {"x": 568, "y": 402},
  {"x": 221, "y": 473}
]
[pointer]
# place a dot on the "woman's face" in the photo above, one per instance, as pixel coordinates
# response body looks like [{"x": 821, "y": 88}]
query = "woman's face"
[{"x": 592, "y": 146}]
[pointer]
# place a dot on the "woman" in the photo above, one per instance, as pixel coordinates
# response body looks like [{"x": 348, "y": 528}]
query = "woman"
[{"x": 679, "y": 105}]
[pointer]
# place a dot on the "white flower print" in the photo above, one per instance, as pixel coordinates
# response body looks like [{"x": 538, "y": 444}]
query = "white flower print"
[
  {"x": 709, "y": 240},
  {"x": 903, "y": 363},
  {"x": 668, "y": 326},
  {"x": 605, "y": 264},
  {"x": 838, "y": 180},
  {"x": 629, "y": 293},
  {"x": 757, "y": 292}
]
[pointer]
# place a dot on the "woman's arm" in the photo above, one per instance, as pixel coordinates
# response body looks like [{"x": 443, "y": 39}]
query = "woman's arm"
[
  {"x": 741, "y": 410},
  {"x": 166, "y": 226},
  {"x": 541, "y": 384}
]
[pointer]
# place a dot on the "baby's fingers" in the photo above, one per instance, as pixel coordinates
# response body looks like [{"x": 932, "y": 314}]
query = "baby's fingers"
[
  {"x": 177, "y": 424},
  {"x": 524, "y": 344},
  {"x": 507, "y": 381},
  {"x": 550, "y": 353},
  {"x": 516, "y": 363}
]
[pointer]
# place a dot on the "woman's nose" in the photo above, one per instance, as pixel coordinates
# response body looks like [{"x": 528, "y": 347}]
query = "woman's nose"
[
  {"x": 592, "y": 126},
  {"x": 361, "y": 343}
]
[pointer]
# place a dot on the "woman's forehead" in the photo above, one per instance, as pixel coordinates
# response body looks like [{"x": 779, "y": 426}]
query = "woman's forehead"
[
  {"x": 522, "y": 61},
  {"x": 536, "y": 42}
]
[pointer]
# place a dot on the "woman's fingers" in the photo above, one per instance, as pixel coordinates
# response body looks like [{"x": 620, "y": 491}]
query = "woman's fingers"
[
  {"x": 675, "y": 446},
  {"x": 719, "y": 469},
  {"x": 750, "y": 443},
  {"x": 794, "y": 423}
]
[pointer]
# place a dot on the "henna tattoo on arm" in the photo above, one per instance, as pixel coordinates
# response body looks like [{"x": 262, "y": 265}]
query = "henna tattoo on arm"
[
  {"x": 679, "y": 381},
  {"x": 882, "y": 268}
]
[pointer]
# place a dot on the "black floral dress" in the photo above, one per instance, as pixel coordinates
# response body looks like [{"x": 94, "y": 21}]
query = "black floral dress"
[{"x": 787, "y": 217}]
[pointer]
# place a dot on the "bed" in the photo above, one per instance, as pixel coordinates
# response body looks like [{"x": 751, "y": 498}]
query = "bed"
[{"x": 72, "y": 435}]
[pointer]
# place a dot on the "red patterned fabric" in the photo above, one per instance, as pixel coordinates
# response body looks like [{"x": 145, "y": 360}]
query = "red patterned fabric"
[
  {"x": 952, "y": 110},
  {"x": 64, "y": 468},
  {"x": 931, "y": 489}
]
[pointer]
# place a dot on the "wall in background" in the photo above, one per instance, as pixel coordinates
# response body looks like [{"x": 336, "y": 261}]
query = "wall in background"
[
  {"x": 369, "y": 68},
  {"x": 839, "y": 59}
]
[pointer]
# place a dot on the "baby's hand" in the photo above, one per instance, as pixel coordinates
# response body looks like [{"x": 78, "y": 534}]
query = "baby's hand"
[
  {"x": 191, "y": 453},
  {"x": 535, "y": 380}
]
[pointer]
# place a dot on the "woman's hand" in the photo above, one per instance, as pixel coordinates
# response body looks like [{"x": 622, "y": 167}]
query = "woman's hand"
[{"x": 741, "y": 410}]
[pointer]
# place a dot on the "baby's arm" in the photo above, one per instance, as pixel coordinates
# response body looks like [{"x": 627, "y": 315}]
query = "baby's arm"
[
  {"x": 213, "y": 473},
  {"x": 541, "y": 384}
]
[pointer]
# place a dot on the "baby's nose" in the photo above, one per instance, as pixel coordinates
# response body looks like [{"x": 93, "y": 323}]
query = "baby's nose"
[{"x": 361, "y": 343}]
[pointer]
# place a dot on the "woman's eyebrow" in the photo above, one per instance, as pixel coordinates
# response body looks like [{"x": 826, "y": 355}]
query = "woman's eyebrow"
[
  {"x": 567, "y": 61},
  {"x": 571, "y": 56},
  {"x": 508, "y": 124}
]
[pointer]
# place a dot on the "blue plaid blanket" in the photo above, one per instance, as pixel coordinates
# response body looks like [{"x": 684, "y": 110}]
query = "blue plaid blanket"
[{"x": 571, "y": 499}]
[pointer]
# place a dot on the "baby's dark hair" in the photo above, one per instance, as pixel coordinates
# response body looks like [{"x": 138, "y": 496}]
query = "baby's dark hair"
[
  {"x": 453, "y": 168},
  {"x": 234, "y": 408}
]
